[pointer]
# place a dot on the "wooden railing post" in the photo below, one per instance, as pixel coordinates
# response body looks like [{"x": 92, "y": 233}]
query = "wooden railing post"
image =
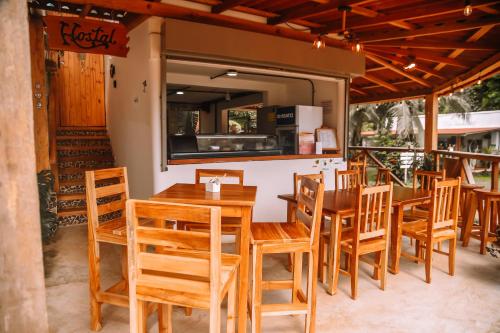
[
  {"x": 431, "y": 120},
  {"x": 494, "y": 175}
]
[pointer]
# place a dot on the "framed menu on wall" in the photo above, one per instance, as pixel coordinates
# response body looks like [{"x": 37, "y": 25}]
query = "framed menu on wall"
[{"x": 328, "y": 138}]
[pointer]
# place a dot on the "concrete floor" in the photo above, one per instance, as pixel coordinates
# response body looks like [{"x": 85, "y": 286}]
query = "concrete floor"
[{"x": 467, "y": 302}]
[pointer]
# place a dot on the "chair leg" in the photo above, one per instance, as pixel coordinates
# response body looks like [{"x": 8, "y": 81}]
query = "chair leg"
[
  {"x": 231, "y": 307},
  {"x": 138, "y": 316},
  {"x": 336, "y": 271},
  {"x": 354, "y": 274},
  {"x": 347, "y": 261},
  {"x": 289, "y": 266},
  {"x": 418, "y": 250},
  {"x": 429, "y": 246},
  {"x": 378, "y": 261},
  {"x": 297, "y": 276},
  {"x": 311, "y": 292},
  {"x": 321, "y": 260},
  {"x": 94, "y": 285},
  {"x": 256, "y": 288},
  {"x": 383, "y": 268},
  {"x": 485, "y": 217},
  {"x": 469, "y": 221},
  {"x": 451, "y": 256},
  {"x": 165, "y": 318}
]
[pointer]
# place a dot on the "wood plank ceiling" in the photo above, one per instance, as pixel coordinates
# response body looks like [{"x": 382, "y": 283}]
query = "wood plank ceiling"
[{"x": 450, "y": 50}]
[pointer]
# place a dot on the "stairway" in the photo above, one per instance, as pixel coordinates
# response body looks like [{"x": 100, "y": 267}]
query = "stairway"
[{"x": 78, "y": 150}]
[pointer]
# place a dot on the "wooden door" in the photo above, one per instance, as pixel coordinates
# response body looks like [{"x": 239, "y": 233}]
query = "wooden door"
[{"x": 77, "y": 88}]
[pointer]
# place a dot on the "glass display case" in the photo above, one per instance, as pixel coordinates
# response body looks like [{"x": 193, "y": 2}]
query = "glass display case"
[{"x": 209, "y": 146}]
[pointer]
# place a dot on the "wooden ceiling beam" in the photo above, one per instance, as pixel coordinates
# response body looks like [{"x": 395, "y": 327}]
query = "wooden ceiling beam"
[
  {"x": 85, "y": 10},
  {"x": 194, "y": 15},
  {"x": 485, "y": 69},
  {"x": 402, "y": 61},
  {"x": 389, "y": 97},
  {"x": 226, "y": 5},
  {"x": 441, "y": 45},
  {"x": 308, "y": 9},
  {"x": 381, "y": 82},
  {"x": 488, "y": 10},
  {"x": 357, "y": 90},
  {"x": 429, "y": 30},
  {"x": 132, "y": 21},
  {"x": 473, "y": 38},
  {"x": 398, "y": 70},
  {"x": 375, "y": 69},
  {"x": 415, "y": 12},
  {"x": 419, "y": 55}
]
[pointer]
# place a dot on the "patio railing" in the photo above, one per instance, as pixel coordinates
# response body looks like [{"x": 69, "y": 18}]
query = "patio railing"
[{"x": 399, "y": 161}]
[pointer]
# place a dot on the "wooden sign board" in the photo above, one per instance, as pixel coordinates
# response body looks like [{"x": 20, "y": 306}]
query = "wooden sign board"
[
  {"x": 328, "y": 138},
  {"x": 86, "y": 36}
]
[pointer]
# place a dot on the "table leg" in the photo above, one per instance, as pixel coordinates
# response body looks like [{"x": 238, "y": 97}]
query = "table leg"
[
  {"x": 244, "y": 267},
  {"x": 290, "y": 212},
  {"x": 396, "y": 236},
  {"x": 334, "y": 254}
]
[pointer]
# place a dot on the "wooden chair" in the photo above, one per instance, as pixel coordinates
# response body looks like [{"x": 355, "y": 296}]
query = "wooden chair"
[
  {"x": 230, "y": 225},
  {"x": 468, "y": 208},
  {"x": 185, "y": 268},
  {"x": 383, "y": 176},
  {"x": 221, "y": 173},
  {"x": 347, "y": 179},
  {"x": 425, "y": 179},
  {"x": 297, "y": 238},
  {"x": 487, "y": 203},
  {"x": 441, "y": 225},
  {"x": 369, "y": 234},
  {"x": 106, "y": 200},
  {"x": 361, "y": 165}
]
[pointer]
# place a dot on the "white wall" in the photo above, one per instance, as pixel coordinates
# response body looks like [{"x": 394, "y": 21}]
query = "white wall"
[
  {"x": 270, "y": 177},
  {"x": 130, "y": 121}
]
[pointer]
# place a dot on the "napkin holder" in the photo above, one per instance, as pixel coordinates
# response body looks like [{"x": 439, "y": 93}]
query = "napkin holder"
[{"x": 213, "y": 185}]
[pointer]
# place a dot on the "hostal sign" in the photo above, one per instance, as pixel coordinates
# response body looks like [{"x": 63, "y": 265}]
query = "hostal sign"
[{"x": 86, "y": 36}]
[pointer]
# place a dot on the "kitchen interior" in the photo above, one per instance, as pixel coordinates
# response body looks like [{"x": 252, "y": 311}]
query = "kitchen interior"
[{"x": 219, "y": 111}]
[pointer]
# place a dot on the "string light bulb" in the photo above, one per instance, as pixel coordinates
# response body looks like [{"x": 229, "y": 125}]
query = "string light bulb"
[
  {"x": 479, "y": 82},
  {"x": 319, "y": 43},
  {"x": 357, "y": 47},
  {"x": 467, "y": 8}
]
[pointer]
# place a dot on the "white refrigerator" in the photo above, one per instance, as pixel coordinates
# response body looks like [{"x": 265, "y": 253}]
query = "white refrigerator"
[{"x": 292, "y": 121}]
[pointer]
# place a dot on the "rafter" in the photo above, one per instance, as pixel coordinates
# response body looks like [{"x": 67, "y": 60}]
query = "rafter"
[
  {"x": 380, "y": 82},
  {"x": 226, "y": 5},
  {"x": 194, "y": 15},
  {"x": 430, "y": 29},
  {"x": 379, "y": 98},
  {"x": 473, "y": 38},
  {"x": 487, "y": 68},
  {"x": 441, "y": 45},
  {"x": 487, "y": 9},
  {"x": 401, "y": 61},
  {"x": 398, "y": 70},
  {"x": 418, "y": 54},
  {"x": 358, "y": 90},
  {"x": 436, "y": 8}
]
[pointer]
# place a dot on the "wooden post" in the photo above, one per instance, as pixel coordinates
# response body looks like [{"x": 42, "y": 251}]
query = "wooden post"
[
  {"x": 41, "y": 123},
  {"x": 494, "y": 175},
  {"x": 22, "y": 287},
  {"x": 431, "y": 119}
]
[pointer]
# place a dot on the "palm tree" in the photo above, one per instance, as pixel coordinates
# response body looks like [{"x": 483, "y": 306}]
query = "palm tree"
[
  {"x": 358, "y": 117},
  {"x": 408, "y": 125},
  {"x": 454, "y": 104}
]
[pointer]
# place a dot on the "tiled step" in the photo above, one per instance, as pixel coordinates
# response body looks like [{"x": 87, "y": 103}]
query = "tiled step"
[
  {"x": 65, "y": 171},
  {"x": 82, "y": 137},
  {"x": 70, "y": 196},
  {"x": 71, "y": 212},
  {"x": 104, "y": 158},
  {"x": 82, "y": 147},
  {"x": 86, "y": 164}
]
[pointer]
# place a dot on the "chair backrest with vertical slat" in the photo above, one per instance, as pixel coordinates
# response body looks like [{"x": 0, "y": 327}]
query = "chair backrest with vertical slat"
[
  {"x": 220, "y": 173},
  {"x": 360, "y": 165},
  {"x": 310, "y": 206},
  {"x": 297, "y": 180},
  {"x": 183, "y": 261},
  {"x": 383, "y": 176},
  {"x": 106, "y": 194},
  {"x": 373, "y": 212},
  {"x": 425, "y": 179},
  {"x": 347, "y": 179},
  {"x": 444, "y": 203}
]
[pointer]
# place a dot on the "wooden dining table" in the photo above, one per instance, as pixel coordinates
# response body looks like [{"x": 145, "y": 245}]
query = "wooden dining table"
[
  {"x": 235, "y": 201},
  {"x": 341, "y": 204}
]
